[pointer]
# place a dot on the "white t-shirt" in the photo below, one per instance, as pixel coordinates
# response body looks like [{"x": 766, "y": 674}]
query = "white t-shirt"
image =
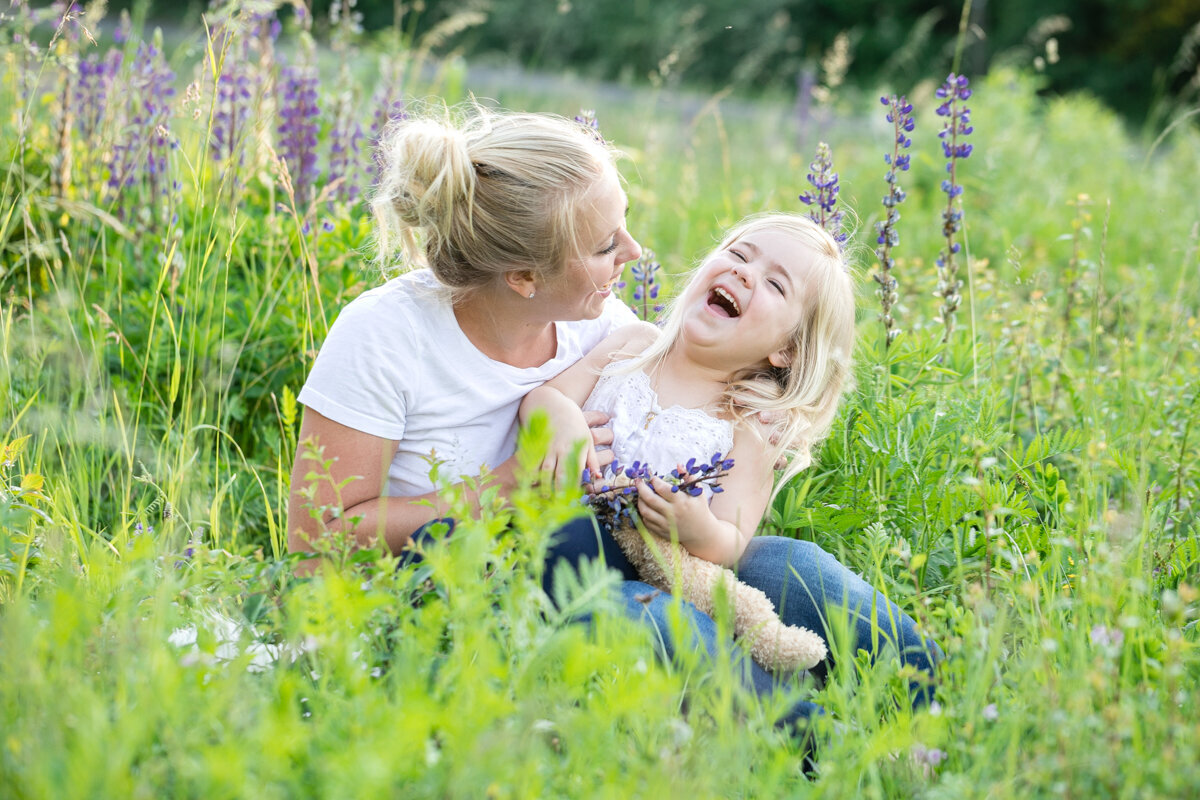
[{"x": 396, "y": 365}]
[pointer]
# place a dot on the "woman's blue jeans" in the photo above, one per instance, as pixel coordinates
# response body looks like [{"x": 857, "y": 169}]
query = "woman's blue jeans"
[{"x": 809, "y": 587}]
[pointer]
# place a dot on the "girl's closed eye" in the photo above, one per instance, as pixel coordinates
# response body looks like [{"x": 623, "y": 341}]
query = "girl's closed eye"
[
  {"x": 738, "y": 254},
  {"x": 778, "y": 286},
  {"x": 610, "y": 248}
]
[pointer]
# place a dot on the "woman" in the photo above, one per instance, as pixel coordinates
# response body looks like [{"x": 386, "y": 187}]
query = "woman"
[{"x": 521, "y": 220}]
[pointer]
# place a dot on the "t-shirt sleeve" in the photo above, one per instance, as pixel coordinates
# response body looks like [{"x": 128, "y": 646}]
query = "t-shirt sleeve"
[{"x": 363, "y": 376}]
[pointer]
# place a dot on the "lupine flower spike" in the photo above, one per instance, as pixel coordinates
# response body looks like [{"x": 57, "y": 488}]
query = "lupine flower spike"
[
  {"x": 142, "y": 153},
  {"x": 646, "y": 286},
  {"x": 957, "y": 126},
  {"x": 587, "y": 118},
  {"x": 824, "y": 194},
  {"x": 299, "y": 126},
  {"x": 388, "y": 103},
  {"x": 900, "y": 115}
]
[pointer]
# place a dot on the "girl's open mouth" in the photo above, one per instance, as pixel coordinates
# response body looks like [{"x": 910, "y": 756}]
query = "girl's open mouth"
[{"x": 723, "y": 303}]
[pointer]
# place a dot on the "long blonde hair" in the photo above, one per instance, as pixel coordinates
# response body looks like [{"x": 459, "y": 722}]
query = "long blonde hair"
[
  {"x": 802, "y": 398},
  {"x": 473, "y": 193}
]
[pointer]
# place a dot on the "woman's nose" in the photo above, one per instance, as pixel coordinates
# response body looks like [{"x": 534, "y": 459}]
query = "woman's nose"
[{"x": 633, "y": 250}]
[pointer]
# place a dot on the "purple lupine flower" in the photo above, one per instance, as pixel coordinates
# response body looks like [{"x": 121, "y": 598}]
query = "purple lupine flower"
[
  {"x": 900, "y": 115},
  {"x": 587, "y": 118},
  {"x": 824, "y": 194},
  {"x": 345, "y": 148},
  {"x": 954, "y": 94},
  {"x": 645, "y": 290},
  {"x": 231, "y": 114},
  {"x": 616, "y": 497},
  {"x": 141, "y": 152},
  {"x": 96, "y": 76},
  {"x": 298, "y": 127},
  {"x": 388, "y": 102},
  {"x": 247, "y": 43},
  {"x": 124, "y": 28}
]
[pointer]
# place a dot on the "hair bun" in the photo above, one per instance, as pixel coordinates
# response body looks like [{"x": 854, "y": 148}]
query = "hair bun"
[{"x": 426, "y": 175}]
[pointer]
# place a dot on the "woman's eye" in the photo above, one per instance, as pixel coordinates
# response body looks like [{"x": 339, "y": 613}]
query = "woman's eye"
[{"x": 610, "y": 248}]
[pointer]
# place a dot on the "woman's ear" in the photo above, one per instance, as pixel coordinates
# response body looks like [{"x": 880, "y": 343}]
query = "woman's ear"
[
  {"x": 780, "y": 358},
  {"x": 522, "y": 282}
]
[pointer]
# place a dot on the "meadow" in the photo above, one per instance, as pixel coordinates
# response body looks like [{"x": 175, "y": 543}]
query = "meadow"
[{"x": 1017, "y": 466}]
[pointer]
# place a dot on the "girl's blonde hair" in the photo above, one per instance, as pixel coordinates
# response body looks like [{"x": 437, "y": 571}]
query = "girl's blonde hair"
[
  {"x": 473, "y": 193},
  {"x": 801, "y": 398}
]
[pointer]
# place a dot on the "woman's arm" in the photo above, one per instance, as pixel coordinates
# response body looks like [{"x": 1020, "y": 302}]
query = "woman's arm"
[
  {"x": 346, "y": 482},
  {"x": 718, "y": 531}
]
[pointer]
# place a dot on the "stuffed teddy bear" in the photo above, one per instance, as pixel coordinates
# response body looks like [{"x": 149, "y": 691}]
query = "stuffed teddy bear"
[{"x": 669, "y": 566}]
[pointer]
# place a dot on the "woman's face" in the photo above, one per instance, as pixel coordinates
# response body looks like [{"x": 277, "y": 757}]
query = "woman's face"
[{"x": 587, "y": 282}]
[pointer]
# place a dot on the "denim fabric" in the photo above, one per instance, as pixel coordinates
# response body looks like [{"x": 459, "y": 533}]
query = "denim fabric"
[{"x": 808, "y": 586}]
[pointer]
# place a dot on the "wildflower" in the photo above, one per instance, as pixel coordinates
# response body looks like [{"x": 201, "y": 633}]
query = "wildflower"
[
  {"x": 645, "y": 290},
  {"x": 824, "y": 195},
  {"x": 388, "y": 103},
  {"x": 900, "y": 115},
  {"x": 96, "y": 76},
  {"x": 930, "y": 758},
  {"x": 587, "y": 118},
  {"x": 954, "y": 94},
  {"x": 246, "y": 44},
  {"x": 990, "y": 712},
  {"x": 231, "y": 114},
  {"x": 143, "y": 155},
  {"x": 345, "y": 147},
  {"x": 1105, "y": 637},
  {"x": 616, "y": 498},
  {"x": 298, "y": 112}
]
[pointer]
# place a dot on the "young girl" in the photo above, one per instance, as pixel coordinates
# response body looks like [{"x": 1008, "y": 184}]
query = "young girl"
[
  {"x": 765, "y": 324},
  {"x": 763, "y": 329}
]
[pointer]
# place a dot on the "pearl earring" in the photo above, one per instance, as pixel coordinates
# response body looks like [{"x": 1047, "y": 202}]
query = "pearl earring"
[{"x": 531, "y": 295}]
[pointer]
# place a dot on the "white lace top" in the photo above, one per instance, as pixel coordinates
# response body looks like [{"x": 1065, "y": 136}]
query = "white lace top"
[{"x": 645, "y": 431}]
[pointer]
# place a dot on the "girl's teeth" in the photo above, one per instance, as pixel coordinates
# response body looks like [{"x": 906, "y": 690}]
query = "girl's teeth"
[{"x": 729, "y": 297}]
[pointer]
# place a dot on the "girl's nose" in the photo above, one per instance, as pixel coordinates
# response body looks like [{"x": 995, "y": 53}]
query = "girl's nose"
[{"x": 742, "y": 274}]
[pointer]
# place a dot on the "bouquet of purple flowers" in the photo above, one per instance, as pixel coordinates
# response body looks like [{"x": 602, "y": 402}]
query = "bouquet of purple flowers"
[{"x": 612, "y": 494}]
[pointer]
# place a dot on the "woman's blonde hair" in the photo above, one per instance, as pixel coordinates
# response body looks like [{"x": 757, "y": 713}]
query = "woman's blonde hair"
[
  {"x": 473, "y": 193},
  {"x": 802, "y": 398}
]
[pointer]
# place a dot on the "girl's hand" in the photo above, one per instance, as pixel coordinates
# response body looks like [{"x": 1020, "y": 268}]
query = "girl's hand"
[
  {"x": 569, "y": 428},
  {"x": 665, "y": 512}
]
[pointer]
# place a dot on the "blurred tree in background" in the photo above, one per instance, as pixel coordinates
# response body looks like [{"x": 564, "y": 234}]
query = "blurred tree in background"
[{"x": 1142, "y": 57}]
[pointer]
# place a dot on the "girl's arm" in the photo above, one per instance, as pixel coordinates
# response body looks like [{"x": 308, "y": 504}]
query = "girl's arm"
[
  {"x": 347, "y": 481},
  {"x": 717, "y": 531},
  {"x": 562, "y": 397}
]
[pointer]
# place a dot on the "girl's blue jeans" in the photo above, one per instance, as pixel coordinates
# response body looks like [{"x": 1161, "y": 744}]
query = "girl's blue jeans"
[{"x": 808, "y": 586}]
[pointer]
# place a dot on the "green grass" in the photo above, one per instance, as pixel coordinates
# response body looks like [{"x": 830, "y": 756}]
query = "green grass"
[{"x": 1027, "y": 491}]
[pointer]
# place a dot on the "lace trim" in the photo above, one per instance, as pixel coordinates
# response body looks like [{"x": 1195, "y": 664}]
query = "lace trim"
[{"x": 645, "y": 431}]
